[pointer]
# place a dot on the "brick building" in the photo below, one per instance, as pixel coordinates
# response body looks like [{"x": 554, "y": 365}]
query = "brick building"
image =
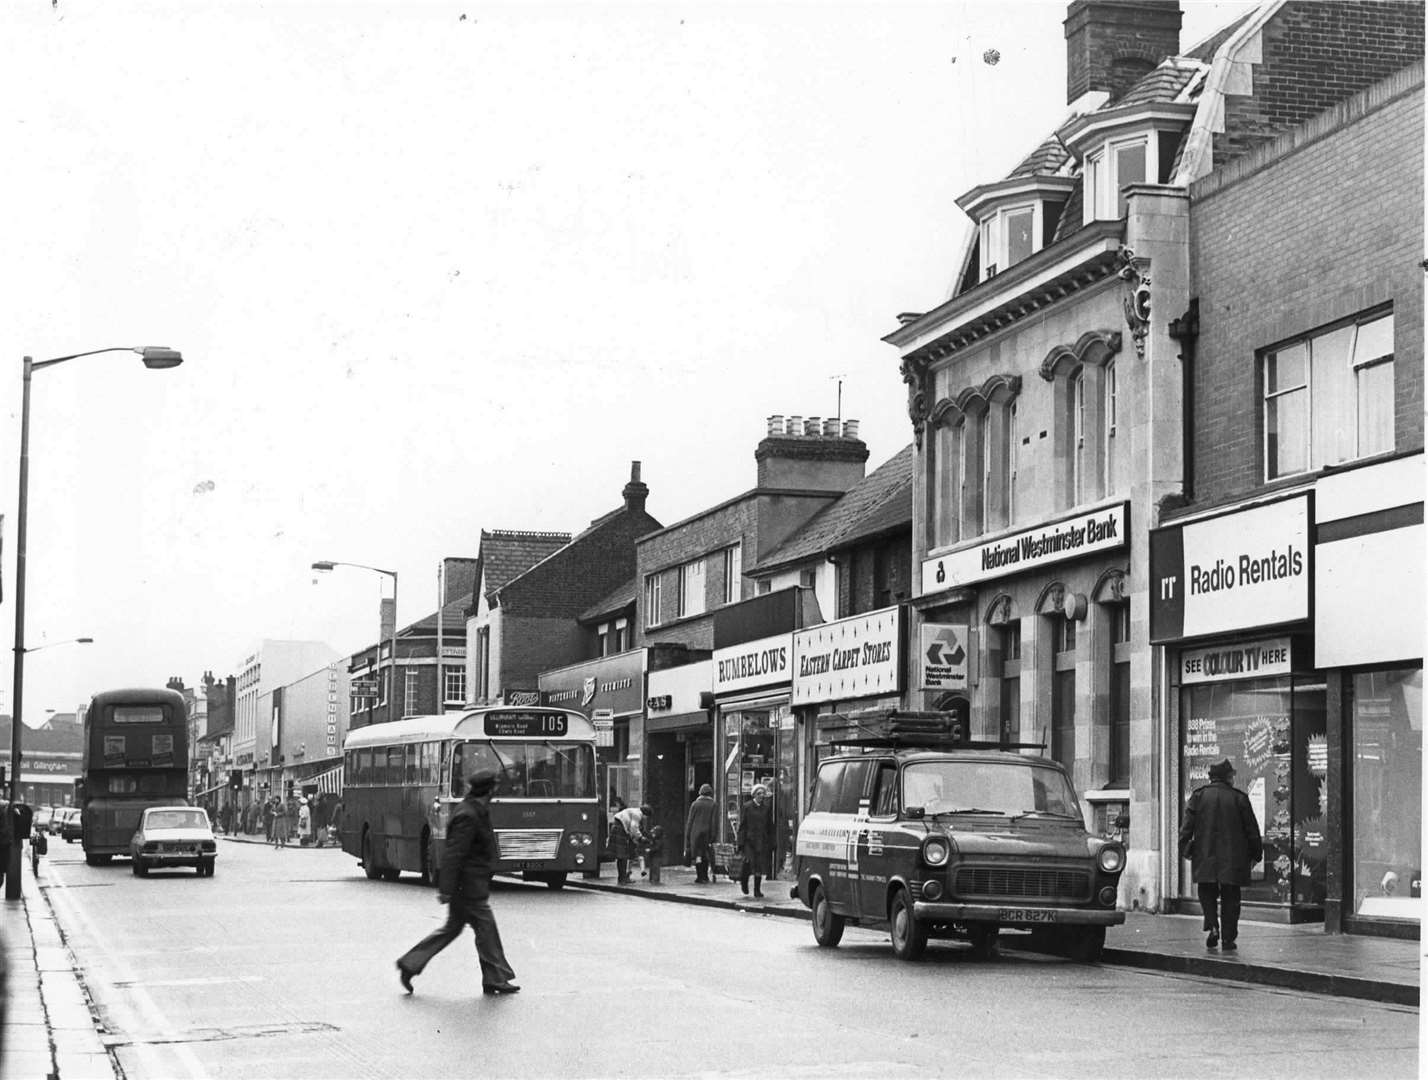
[
  {"x": 1049, "y": 396},
  {"x": 1306, "y": 397}
]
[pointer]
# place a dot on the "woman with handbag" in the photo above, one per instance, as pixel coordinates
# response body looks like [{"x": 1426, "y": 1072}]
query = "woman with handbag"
[{"x": 755, "y": 839}]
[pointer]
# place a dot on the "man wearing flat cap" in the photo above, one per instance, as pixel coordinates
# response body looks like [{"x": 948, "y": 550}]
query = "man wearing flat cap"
[
  {"x": 1221, "y": 838},
  {"x": 464, "y": 886}
]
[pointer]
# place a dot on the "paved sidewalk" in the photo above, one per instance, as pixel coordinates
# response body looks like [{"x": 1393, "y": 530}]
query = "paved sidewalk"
[{"x": 1300, "y": 957}]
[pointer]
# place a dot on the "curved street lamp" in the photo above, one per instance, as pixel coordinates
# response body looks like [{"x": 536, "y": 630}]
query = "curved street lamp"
[
  {"x": 327, "y": 566},
  {"x": 156, "y": 357}
]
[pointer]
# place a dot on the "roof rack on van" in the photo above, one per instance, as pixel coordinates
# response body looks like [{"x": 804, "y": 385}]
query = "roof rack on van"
[{"x": 905, "y": 728}]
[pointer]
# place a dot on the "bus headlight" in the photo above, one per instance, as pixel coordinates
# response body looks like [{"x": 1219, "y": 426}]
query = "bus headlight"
[{"x": 1111, "y": 859}]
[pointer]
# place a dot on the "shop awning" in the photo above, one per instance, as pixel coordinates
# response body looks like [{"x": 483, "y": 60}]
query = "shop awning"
[
  {"x": 678, "y": 722},
  {"x": 329, "y": 782}
]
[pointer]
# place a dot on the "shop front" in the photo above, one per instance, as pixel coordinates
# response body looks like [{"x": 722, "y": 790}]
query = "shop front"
[
  {"x": 1369, "y": 623},
  {"x": 1230, "y": 603},
  {"x": 756, "y": 739},
  {"x": 679, "y": 745},
  {"x": 611, "y": 691}
]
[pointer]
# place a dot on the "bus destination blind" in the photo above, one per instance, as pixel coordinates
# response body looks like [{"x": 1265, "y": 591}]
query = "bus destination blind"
[{"x": 527, "y": 725}]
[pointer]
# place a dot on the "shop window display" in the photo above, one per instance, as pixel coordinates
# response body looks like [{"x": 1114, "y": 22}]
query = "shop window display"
[
  {"x": 1272, "y": 730},
  {"x": 762, "y": 749},
  {"x": 1386, "y": 726}
]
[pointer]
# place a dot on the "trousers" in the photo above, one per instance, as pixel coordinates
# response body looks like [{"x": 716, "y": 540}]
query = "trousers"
[
  {"x": 1223, "y": 898},
  {"x": 462, "y": 912}
]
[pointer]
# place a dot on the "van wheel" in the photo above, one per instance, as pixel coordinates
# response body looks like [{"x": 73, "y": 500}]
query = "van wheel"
[
  {"x": 369, "y": 867},
  {"x": 556, "y": 881},
  {"x": 909, "y": 937},
  {"x": 1084, "y": 945},
  {"x": 827, "y": 927},
  {"x": 96, "y": 860}
]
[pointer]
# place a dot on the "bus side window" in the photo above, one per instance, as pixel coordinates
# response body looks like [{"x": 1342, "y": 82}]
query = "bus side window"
[
  {"x": 412, "y": 774},
  {"x": 458, "y": 771},
  {"x": 394, "y": 765}
]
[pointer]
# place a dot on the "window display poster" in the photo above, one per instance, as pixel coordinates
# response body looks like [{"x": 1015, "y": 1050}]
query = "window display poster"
[{"x": 1273, "y": 735}]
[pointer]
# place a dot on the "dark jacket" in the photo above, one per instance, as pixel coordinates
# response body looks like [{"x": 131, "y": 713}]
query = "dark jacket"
[
  {"x": 470, "y": 852},
  {"x": 699, "y": 823},
  {"x": 1220, "y": 836},
  {"x": 755, "y": 836}
]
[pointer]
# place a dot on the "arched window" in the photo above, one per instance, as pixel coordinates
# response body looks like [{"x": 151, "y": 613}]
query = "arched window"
[
  {"x": 1083, "y": 384},
  {"x": 1109, "y": 455}
]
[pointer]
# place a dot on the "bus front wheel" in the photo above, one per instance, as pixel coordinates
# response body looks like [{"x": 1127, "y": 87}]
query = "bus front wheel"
[
  {"x": 96, "y": 860},
  {"x": 369, "y": 866}
]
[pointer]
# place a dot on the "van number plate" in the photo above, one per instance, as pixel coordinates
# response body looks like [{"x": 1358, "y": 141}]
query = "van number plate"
[{"x": 1022, "y": 915}]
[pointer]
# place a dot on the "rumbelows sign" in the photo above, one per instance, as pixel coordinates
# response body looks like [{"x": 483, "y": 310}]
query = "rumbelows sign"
[
  {"x": 855, "y": 657},
  {"x": 1070, "y": 538},
  {"x": 755, "y": 663},
  {"x": 1233, "y": 572}
]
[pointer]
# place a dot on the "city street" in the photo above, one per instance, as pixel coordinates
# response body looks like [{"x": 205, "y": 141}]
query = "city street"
[{"x": 281, "y": 965}]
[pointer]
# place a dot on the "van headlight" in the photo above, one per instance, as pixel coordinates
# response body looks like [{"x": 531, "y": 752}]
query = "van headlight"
[
  {"x": 1112, "y": 859},
  {"x": 936, "y": 851}
]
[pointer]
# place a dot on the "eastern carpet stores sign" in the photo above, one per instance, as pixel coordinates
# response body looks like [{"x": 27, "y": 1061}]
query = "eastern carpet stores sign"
[{"x": 1070, "y": 538}]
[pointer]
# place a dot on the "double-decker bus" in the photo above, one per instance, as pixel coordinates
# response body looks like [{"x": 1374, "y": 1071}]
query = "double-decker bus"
[
  {"x": 403, "y": 779},
  {"x": 135, "y": 755}
]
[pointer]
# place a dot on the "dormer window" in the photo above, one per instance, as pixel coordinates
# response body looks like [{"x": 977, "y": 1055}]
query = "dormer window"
[
  {"x": 1110, "y": 169},
  {"x": 1015, "y": 218}
]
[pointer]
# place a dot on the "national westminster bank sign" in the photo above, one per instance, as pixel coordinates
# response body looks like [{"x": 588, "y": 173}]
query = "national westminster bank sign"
[{"x": 1100, "y": 530}]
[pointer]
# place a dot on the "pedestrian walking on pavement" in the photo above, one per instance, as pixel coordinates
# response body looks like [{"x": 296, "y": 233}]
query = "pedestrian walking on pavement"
[
  {"x": 1221, "y": 838},
  {"x": 755, "y": 840},
  {"x": 699, "y": 834},
  {"x": 304, "y": 823},
  {"x": 280, "y": 823},
  {"x": 464, "y": 886},
  {"x": 627, "y": 839}
]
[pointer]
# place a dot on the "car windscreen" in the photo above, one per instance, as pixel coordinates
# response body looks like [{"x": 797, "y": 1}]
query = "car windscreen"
[
  {"x": 534, "y": 769},
  {"x": 1000, "y": 787},
  {"x": 176, "y": 819}
]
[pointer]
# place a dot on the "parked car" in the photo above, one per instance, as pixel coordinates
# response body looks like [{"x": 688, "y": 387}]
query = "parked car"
[
  {"x": 70, "y": 824},
  {"x": 52, "y": 826},
  {"x": 174, "y": 836},
  {"x": 927, "y": 834},
  {"x": 40, "y": 822}
]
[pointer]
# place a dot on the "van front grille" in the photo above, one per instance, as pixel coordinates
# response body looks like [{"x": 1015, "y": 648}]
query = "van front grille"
[{"x": 1022, "y": 883}]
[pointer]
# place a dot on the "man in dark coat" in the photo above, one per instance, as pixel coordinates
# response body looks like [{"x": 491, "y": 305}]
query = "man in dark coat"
[
  {"x": 1221, "y": 838},
  {"x": 464, "y": 885},
  {"x": 699, "y": 833}
]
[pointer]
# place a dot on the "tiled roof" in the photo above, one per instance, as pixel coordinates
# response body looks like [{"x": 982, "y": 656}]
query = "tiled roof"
[
  {"x": 1046, "y": 160},
  {"x": 616, "y": 601},
  {"x": 581, "y": 573},
  {"x": 1164, "y": 83},
  {"x": 881, "y": 500},
  {"x": 453, "y": 619},
  {"x": 506, "y": 554}
]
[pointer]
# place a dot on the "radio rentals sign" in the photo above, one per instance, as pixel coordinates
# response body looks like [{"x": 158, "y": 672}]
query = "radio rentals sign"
[
  {"x": 1070, "y": 538},
  {"x": 1238, "y": 571}
]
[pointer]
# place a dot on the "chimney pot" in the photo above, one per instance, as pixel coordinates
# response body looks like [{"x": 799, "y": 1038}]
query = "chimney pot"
[
  {"x": 812, "y": 426},
  {"x": 850, "y": 429},
  {"x": 830, "y": 427},
  {"x": 795, "y": 426},
  {"x": 776, "y": 425}
]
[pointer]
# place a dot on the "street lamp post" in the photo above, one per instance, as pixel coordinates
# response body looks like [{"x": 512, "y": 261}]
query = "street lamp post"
[
  {"x": 327, "y": 565},
  {"x": 156, "y": 357}
]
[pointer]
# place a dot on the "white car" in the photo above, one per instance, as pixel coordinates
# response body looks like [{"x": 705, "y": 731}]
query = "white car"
[{"x": 173, "y": 836}]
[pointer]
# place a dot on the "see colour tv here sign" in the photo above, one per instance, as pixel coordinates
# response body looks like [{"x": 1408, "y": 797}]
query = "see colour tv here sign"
[{"x": 526, "y": 725}]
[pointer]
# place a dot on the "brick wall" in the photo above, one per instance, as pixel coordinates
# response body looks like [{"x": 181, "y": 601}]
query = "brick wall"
[
  {"x": 1109, "y": 45},
  {"x": 663, "y": 553},
  {"x": 1314, "y": 55},
  {"x": 1322, "y": 223}
]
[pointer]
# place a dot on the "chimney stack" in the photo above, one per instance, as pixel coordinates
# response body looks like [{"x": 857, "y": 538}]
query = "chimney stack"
[
  {"x": 635, "y": 492},
  {"x": 1111, "y": 44},
  {"x": 810, "y": 454}
]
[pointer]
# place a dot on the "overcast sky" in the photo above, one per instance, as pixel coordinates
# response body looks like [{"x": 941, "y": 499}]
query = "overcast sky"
[{"x": 444, "y": 267}]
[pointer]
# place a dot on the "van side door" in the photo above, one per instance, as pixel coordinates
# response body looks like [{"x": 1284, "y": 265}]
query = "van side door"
[{"x": 878, "y": 848}]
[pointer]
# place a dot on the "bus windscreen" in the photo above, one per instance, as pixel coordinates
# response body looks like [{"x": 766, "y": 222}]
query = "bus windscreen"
[{"x": 527, "y": 770}]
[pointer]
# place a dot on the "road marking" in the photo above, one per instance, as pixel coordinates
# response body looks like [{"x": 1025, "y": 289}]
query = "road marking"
[
  {"x": 212, "y": 980},
  {"x": 149, "y": 1012}
]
